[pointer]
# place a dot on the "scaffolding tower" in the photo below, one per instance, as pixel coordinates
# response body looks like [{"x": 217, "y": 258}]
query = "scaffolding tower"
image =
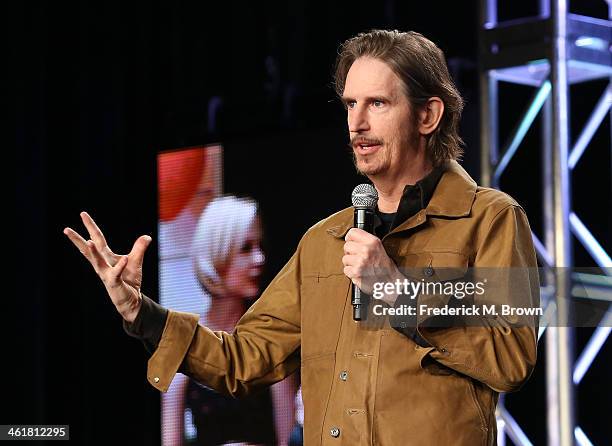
[{"x": 549, "y": 52}]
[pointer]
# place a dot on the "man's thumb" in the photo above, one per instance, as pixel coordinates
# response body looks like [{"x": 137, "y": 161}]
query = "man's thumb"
[{"x": 140, "y": 246}]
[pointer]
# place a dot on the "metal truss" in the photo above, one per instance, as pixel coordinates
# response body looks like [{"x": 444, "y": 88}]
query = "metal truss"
[{"x": 549, "y": 52}]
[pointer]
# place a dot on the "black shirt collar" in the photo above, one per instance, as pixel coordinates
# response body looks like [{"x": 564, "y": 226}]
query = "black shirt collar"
[{"x": 414, "y": 198}]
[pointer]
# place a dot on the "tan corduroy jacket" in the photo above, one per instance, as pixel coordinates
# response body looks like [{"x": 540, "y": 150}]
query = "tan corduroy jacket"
[{"x": 374, "y": 387}]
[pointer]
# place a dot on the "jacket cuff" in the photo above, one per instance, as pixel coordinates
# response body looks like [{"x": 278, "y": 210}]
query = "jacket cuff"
[
  {"x": 149, "y": 324},
  {"x": 172, "y": 349}
]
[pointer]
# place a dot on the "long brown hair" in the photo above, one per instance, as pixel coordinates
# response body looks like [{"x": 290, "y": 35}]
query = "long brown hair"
[{"x": 421, "y": 66}]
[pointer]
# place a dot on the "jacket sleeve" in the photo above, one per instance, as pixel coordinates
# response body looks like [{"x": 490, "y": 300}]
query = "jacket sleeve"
[
  {"x": 497, "y": 350},
  {"x": 263, "y": 349}
]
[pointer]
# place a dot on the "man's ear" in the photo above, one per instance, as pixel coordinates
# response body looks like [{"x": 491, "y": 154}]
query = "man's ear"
[{"x": 430, "y": 115}]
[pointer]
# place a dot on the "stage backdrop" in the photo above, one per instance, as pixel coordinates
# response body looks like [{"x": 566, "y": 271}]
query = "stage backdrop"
[{"x": 211, "y": 262}]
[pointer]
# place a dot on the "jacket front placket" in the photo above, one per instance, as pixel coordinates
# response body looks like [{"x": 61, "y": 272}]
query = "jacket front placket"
[{"x": 349, "y": 418}]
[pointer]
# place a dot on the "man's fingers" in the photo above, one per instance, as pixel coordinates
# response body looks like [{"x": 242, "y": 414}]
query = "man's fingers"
[
  {"x": 353, "y": 248},
  {"x": 350, "y": 273},
  {"x": 98, "y": 237},
  {"x": 351, "y": 260},
  {"x": 139, "y": 248},
  {"x": 96, "y": 259},
  {"x": 94, "y": 231},
  {"x": 77, "y": 240},
  {"x": 358, "y": 235},
  {"x": 116, "y": 271}
]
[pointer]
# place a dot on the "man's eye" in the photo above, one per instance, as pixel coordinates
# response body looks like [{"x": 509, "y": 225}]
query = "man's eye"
[
  {"x": 350, "y": 104},
  {"x": 378, "y": 103}
]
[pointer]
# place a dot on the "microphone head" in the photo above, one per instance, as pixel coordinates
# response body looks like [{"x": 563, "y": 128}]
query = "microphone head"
[{"x": 364, "y": 196}]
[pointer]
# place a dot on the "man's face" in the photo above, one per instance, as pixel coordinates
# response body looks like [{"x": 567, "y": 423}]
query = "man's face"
[{"x": 381, "y": 126}]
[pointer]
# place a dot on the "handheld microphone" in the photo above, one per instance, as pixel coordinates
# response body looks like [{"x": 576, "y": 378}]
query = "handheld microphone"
[{"x": 364, "y": 198}]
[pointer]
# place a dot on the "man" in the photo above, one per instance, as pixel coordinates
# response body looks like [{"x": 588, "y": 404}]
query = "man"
[{"x": 400, "y": 384}]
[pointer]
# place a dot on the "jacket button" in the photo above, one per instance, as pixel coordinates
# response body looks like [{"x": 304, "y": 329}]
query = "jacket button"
[
  {"x": 428, "y": 271},
  {"x": 156, "y": 379},
  {"x": 343, "y": 375},
  {"x": 334, "y": 432}
]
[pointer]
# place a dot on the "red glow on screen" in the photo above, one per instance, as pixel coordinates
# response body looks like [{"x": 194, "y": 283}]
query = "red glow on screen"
[{"x": 179, "y": 174}]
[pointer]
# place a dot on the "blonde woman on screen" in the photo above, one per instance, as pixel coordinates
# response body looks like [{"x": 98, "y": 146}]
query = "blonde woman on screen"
[{"x": 228, "y": 261}]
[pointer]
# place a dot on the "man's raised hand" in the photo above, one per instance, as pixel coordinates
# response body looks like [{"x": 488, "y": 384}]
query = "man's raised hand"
[{"x": 121, "y": 274}]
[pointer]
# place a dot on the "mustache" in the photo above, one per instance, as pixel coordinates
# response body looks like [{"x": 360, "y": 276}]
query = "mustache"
[{"x": 357, "y": 140}]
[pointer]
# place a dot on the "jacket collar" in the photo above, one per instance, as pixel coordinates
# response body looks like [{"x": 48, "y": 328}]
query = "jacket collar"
[
  {"x": 453, "y": 197},
  {"x": 454, "y": 194}
]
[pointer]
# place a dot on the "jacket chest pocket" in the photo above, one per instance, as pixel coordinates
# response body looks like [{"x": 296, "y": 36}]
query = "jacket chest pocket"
[
  {"x": 433, "y": 265},
  {"x": 437, "y": 279},
  {"x": 323, "y": 303}
]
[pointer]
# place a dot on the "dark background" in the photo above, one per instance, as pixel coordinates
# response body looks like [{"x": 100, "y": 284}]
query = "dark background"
[{"x": 101, "y": 87}]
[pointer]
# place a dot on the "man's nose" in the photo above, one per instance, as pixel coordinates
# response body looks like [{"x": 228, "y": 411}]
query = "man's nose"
[{"x": 358, "y": 120}]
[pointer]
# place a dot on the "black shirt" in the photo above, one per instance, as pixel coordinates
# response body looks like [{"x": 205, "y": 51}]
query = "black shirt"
[{"x": 414, "y": 198}]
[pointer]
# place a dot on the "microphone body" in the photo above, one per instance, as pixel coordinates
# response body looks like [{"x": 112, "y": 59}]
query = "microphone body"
[
  {"x": 363, "y": 218},
  {"x": 365, "y": 199}
]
